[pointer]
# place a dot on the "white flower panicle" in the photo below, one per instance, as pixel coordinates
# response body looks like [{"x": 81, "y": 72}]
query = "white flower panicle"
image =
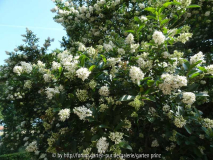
[
  {"x": 136, "y": 74},
  {"x": 91, "y": 51},
  {"x": 82, "y": 112},
  {"x": 121, "y": 51},
  {"x": 82, "y": 95},
  {"x": 116, "y": 137},
  {"x": 64, "y": 114},
  {"x": 104, "y": 91},
  {"x": 155, "y": 143},
  {"x": 208, "y": 123},
  {"x": 102, "y": 145},
  {"x": 166, "y": 108},
  {"x": 172, "y": 82},
  {"x": 51, "y": 92},
  {"x": 158, "y": 37},
  {"x": 18, "y": 70},
  {"x": 83, "y": 73},
  {"x": 197, "y": 57},
  {"x": 129, "y": 39},
  {"x": 27, "y": 67},
  {"x": 55, "y": 65},
  {"x": 209, "y": 69},
  {"x": 185, "y": 3},
  {"x": 32, "y": 147},
  {"x": 179, "y": 121},
  {"x": 188, "y": 98},
  {"x": 28, "y": 84},
  {"x": 47, "y": 77}
]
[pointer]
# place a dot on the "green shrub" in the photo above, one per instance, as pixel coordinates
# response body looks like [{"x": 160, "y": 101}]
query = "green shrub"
[{"x": 15, "y": 156}]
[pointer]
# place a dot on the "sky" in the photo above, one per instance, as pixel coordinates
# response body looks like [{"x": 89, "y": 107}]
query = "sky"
[{"x": 16, "y": 15}]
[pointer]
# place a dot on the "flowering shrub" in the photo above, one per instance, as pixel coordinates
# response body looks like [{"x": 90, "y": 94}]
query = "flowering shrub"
[{"x": 120, "y": 85}]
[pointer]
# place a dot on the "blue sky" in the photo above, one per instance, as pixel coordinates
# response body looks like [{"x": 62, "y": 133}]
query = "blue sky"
[{"x": 16, "y": 15}]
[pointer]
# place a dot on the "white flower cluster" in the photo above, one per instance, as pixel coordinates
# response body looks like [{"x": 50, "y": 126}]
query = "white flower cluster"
[
  {"x": 32, "y": 147},
  {"x": 144, "y": 64},
  {"x": 116, "y": 137},
  {"x": 83, "y": 73},
  {"x": 82, "y": 95},
  {"x": 184, "y": 37},
  {"x": 25, "y": 67},
  {"x": 64, "y": 114},
  {"x": 155, "y": 143},
  {"x": 166, "y": 108},
  {"x": 104, "y": 91},
  {"x": 47, "y": 77},
  {"x": 208, "y": 123},
  {"x": 28, "y": 84},
  {"x": 102, "y": 145},
  {"x": 91, "y": 51},
  {"x": 172, "y": 82},
  {"x": 136, "y": 74},
  {"x": 179, "y": 121},
  {"x": 18, "y": 70},
  {"x": 82, "y": 112},
  {"x": 129, "y": 39},
  {"x": 92, "y": 84},
  {"x": 52, "y": 91},
  {"x": 55, "y": 65},
  {"x": 188, "y": 98},
  {"x": 158, "y": 37},
  {"x": 121, "y": 51},
  {"x": 209, "y": 69},
  {"x": 112, "y": 61},
  {"x": 103, "y": 107},
  {"x": 185, "y": 3},
  {"x": 109, "y": 47},
  {"x": 197, "y": 57},
  {"x": 41, "y": 66}
]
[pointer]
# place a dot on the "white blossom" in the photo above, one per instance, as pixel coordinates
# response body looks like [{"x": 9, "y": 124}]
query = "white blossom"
[
  {"x": 82, "y": 112},
  {"x": 83, "y": 73},
  {"x": 102, "y": 145},
  {"x": 136, "y": 74},
  {"x": 158, "y": 37},
  {"x": 64, "y": 114},
  {"x": 104, "y": 91}
]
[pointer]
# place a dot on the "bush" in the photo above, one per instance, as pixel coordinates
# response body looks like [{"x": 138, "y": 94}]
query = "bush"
[
  {"x": 124, "y": 83},
  {"x": 15, "y": 156}
]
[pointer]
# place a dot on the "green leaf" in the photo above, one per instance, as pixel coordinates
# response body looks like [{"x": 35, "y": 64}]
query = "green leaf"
[
  {"x": 202, "y": 69},
  {"x": 130, "y": 31},
  {"x": 127, "y": 98},
  {"x": 56, "y": 109},
  {"x": 201, "y": 95},
  {"x": 167, "y": 4},
  {"x": 194, "y": 75},
  {"x": 164, "y": 21},
  {"x": 186, "y": 65},
  {"x": 92, "y": 67},
  {"x": 193, "y": 87},
  {"x": 103, "y": 126},
  {"x": 150, "y": 9},
  {"x": 150, "y": 82},
  {"x": 125, "y": 145},
  {"x": 188, "y": 129},
  {"x": 137, "y": 19},
  {"x": 95, "y": 137},
  {"x": 151, "y": 17},
  {"x": 193, "y": 6},
  {"x": 121, "y": 124},
  {"x": 195, "y": 64},
  {"x": 103, "y": 58}
]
